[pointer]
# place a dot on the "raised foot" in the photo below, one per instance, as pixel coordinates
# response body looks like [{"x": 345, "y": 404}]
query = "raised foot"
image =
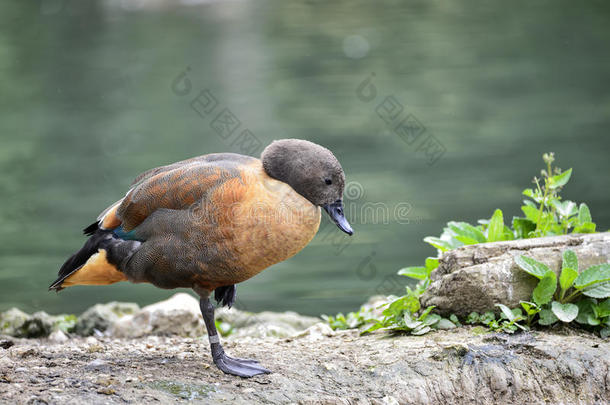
[{"x": 240, "y": 367}]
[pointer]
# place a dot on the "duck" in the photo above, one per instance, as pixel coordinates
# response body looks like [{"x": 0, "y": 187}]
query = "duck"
[{"x": 211, "y": 222}]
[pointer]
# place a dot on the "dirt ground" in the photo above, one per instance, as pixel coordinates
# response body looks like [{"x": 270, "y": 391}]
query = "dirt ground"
[{"x": 445, "y": 367}]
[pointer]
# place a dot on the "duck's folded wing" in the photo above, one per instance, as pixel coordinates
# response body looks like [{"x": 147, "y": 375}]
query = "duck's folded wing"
[{"x": 179, "y": 188}]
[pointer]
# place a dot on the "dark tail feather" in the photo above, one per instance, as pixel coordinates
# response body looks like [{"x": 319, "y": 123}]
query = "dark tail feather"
[
  {"x": 226, "y": 295},
  {"x": 90, "y": 230},
  {"x": 80, "y": 258}
]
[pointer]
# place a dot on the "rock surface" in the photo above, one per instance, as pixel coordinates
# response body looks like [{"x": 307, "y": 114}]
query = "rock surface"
[
  {"x": 100, "y": 317},
  {"x": 178, "y": 315},
  {"x": 317, "y": 367},
  {"x": 475, "y": 277}
]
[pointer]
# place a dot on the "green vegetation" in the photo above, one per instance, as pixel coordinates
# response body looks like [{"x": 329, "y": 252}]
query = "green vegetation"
[
  {"x": 574, "y": 297},
  {"x": 545, "y": 214}
]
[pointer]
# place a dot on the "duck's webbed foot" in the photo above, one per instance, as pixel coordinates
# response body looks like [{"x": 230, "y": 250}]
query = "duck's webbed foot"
[
  {"x": 227, "y": 364},
  {"x": 236, "y": 366}
]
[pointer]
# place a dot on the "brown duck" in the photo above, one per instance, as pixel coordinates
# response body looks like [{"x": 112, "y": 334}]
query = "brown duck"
[{"x": 210, "y": 222}]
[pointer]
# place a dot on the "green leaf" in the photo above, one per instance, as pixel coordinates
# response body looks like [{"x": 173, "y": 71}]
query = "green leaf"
[
  {"x": 432, "y": 319},
  {"x": 523, "y": 227},
  {"x": 532, "y": 266},
  {"x": 567, "y": 277},
  {"x": 495, "y": 230},
  {"x": 431, "y": 263},
  {"x": 570, "y": 259},
  {"x": 466, "y": 230},
  {"x": 604, "y": 333},
  {"x": 534, "y": 195},
  {"x": 454, "y": 319},
  {"x": 547, "y": 317},
  {"x": 565, "y": 209},
  {"x": 424, "y": 314},
  {"x": 603, "y": 308},
  {"x": 530, "y": 308},
  {"x": 421, "y": 330},
  {"x": 419, "y": 273},
  {"x": 517, "y": 313},
  {"x": 528, "y": 192},
  {"x": 601, "y": 290},
  {"x": 410, "y": 322},
  {"x": 438, "y": 243},
  {"x": 466, "y": 240},
  {"x": 373, "y": 328},
  {"x": 530, "y": 212},
  {"x": 543, "y": 293},
  {"x": 584, "y": 215},
  {"x": 507, "y": 234},
  {"x": 586, "y": 312},
  {"x": 487, "y": 317},
  {"x": 586, "y": 227},
  {"x": 565, "y": 312},
  {"x": 560, "y": 180},
  {"x": 444, "y": 323},
  {"x": 593, "y": 275},
  {"x": 508, "y": 314},
  {"x": 472, "y": 318}
]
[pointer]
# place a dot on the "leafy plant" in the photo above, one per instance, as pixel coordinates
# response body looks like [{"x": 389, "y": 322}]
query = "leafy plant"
[
  {"x": 401, "y": 315},
  {"x": 574, "y": 298},
  {"x": 545, "y": 214},
  {"x": 507, "y": 322}
]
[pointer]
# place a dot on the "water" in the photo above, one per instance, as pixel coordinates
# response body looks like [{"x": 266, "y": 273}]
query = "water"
[{"x": 87, "y": 104}]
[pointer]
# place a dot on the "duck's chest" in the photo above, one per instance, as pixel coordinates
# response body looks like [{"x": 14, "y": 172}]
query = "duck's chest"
[{"x": 269, "y": 225}]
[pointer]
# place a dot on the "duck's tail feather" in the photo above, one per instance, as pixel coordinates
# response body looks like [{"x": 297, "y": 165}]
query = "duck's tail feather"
[
  {"x": 98, "y": 262},
  {"x": 90, "y": 230},
  {"x": 225, "y": 296}
]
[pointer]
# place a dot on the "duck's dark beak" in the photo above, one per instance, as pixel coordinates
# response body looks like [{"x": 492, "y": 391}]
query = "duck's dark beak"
[{"x": 335, "y": 211}]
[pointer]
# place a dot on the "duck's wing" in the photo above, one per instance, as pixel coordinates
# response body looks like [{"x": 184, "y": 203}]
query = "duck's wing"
[{"x": 215, "y": 178}]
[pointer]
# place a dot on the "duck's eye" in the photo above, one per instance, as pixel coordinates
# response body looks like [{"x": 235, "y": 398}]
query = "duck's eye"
[{"x": 328, "y": 181}]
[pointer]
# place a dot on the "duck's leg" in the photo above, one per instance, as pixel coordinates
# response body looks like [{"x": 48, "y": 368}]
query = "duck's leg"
[{"x": 229, "y": 365}]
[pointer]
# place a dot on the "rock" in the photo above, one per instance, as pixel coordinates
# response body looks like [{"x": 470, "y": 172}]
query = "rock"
[
  {"x": 264, "y": 324},
  {"x": 439, "y": 368},
  {"x": 58, "y": 337},
  {"x": 178, "y": 315},
  {"x": 475, "y": 277},
  {"x": 12, "y": 322},
  {"x": 15, "y": 322},
  {"x": 6, "y": 343},
  {"x": 315, "y": 332},
  {"x": 101, "y": 316},
  {"x": 40, "y": 324},
  {"x": 97, "y": 365}
]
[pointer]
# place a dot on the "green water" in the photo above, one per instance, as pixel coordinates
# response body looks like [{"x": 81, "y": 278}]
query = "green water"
[{"x": 87, "y": 103}]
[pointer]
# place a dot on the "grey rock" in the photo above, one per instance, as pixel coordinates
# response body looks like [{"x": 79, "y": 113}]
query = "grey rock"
[
  {"x": 101, "y": 316},
  {"x": 58, "y": 337},
  {"x": 318, "y": 366},
  {"x": 264, "y": 324},
  {"x": 178, "y": 315},
  {"x": 475, "y": 277},
  {"x": 40, "y": 324},
  {"x": 97, "y": 365},
  {"x": 12, "y": 322},
  {"x": 15, "y": 322}
]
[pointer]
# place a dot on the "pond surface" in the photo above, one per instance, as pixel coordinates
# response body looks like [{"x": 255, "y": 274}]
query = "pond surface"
[{"x": 436, "y": 110}]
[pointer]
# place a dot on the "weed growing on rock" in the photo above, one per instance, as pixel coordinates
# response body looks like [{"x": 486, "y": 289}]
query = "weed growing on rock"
[{"x": 576, "y": 296}]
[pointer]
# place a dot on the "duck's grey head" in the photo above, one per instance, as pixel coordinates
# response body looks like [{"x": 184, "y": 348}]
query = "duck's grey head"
[{"x": 312, "y": 171}]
